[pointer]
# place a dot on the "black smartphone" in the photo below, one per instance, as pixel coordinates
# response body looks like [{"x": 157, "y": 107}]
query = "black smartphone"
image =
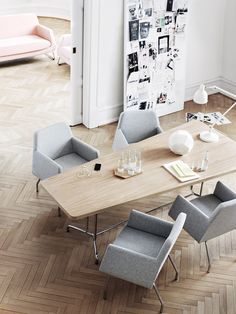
[{"x": 97, "y": 167}]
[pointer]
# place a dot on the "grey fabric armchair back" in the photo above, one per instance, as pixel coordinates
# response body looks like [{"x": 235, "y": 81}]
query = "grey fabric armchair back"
[
  {"x": 135, "y": 126},
  {"x": 222, "y": 221},
  {"x": 208, "y": 216},
  {"x": 56, "y": 150},
  {"x": 141, "y": 249},
  {"x": 54, "y": 141}
]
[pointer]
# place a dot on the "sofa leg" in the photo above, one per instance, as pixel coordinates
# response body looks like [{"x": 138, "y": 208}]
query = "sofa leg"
[
  {"x": 159, "y": 297},
  {"x": 58, "y": 61},
  {"x": 37, "y": 186},
  {"x": 52, "y": 56}
]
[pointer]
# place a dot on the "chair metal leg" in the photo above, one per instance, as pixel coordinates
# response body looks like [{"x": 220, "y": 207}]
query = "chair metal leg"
[
  {"x": 95, "y": 240},
  {"x": 93, "y": 235},
  {"x": 106, "y": 288},
  {"x": 87, "y": 224},
  {"x": 194, "y": 193},
  {"x": 37, "y": 185},
  {"x": 175, "y": 268},
  {"x": 159, "y": 297},
  {"x": 59, "y": 211},
  {"x": 208, "y": 257},
  {"x": 58, "y": 61},
  {"x": 201, "y": 188}
]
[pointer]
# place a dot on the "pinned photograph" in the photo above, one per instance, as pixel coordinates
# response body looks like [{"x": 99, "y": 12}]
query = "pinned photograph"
[
  {"x": 161, "y": 99},
  {"x": 144, "y": 30},
  {"x": 133, "y": 105},
  {"x": 133, "y": 62},
  {"x": 143, "y": 105},
  {"x": 133, "y": 30},
  {"x": 142, "y": 45},
  {"x": 148, "y": 12},
  {"x": 180, "y": 6},
  {"x": 163, "y": 44},
  {"x": 133, "y": 12},
  {"x": 181, "y": 9},
  {"x": 170, "y": 64},
  {"x": 169, "y": 7}
]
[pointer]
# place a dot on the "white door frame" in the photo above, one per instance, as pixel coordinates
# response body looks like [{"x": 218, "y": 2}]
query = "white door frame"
[
  {"x": 90, "y": 71},
  {"x": 76, "y": 74}
]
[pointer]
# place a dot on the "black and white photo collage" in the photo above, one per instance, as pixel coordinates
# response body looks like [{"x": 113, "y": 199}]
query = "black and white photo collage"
[{"x": 152, "y": 51}]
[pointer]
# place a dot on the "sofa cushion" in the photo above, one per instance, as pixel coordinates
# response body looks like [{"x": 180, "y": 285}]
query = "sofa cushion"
[
  {"x": 70, "y": 161},
  {"x": 22, "y": 44}
]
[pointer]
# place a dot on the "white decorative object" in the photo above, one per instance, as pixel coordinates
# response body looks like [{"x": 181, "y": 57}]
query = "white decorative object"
[
  {"x": 181, "y": 142},
  {"x": 211, "y": 136},
  {"x": 201, "y": 97}
]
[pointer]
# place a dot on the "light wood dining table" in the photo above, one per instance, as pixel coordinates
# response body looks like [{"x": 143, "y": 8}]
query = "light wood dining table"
[{"x": 84, "y": 196}]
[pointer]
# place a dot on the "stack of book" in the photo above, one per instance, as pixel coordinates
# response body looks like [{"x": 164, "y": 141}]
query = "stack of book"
[{"x": 181, "y": 171}]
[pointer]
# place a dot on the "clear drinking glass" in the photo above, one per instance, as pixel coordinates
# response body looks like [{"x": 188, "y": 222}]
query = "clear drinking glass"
[
  {"x": 138, "y": 162},
  {"x": 120, "y": 164},
  {"x": 132, "y": 160},
  {"x": 84, "y": 171}
]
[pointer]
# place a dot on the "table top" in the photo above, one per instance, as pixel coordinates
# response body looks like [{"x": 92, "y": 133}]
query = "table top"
[{"x": 81, "y": 197}]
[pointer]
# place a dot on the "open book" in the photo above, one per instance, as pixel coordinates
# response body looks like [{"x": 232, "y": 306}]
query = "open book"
[{"x": 181, "y": 171}]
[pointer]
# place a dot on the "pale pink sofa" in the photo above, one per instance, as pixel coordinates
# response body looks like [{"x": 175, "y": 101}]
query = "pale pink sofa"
[
  {"x": 21, "y": 36},
  {"x": 64, "y": 50}
]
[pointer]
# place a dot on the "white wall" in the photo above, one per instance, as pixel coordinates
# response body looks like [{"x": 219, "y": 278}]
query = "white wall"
[
  {"x": 53, "y": 8},
  {"x": 204, "y": 43},
  {"x": 229, "y": 47}
]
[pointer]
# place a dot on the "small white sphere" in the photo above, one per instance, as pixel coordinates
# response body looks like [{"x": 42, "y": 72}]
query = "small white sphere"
[{"x": 181, "y": 142}]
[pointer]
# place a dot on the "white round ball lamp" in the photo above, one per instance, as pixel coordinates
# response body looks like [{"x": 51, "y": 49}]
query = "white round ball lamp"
[{"x": 181, "y": 142}]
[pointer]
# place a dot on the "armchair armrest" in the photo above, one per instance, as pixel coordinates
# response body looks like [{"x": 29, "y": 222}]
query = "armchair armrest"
[
  {"x": 223, "y": 192},
  {"x": 65, "y": 40},
  {"x": 159, "y": 129},
  {"x": 150, "y": 224},
  {"x": 196, "y": 221},
  {"x": 43, "y": 166},
  {"x": 84, "y": 150},
  {"x": 129, "y": 265},
  {"x": 120, "y": 141},
  {"x": 46, "y": 33}
]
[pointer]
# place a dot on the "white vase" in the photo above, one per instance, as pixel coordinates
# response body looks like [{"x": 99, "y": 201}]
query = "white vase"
[{"x": 181, "y": 142}]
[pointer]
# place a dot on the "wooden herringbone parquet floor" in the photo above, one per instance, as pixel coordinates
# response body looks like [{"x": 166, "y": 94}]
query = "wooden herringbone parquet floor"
[{"x": 43, "y": 269}]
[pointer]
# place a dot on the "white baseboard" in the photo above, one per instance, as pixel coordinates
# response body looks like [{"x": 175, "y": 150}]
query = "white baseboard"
[{"x": 228, "y": 85}]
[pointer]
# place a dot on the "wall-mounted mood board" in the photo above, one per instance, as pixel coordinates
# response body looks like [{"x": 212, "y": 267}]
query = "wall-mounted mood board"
[{"x": 154, "y": 67}]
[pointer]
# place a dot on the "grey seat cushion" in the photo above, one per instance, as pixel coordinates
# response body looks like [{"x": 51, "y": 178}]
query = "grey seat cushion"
[
  {"x": 70, "y": 160},
  {"x": 207, "y": 203},
  {"x": 140, "y": 241}
]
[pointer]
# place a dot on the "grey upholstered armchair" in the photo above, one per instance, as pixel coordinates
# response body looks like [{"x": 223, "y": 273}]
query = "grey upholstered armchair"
[
  {"x": 208, "y": 216},
  {"x": 56, "y": 150},
  {"x": 135, "y": 126},
  {"x": 141, "y": 249}
]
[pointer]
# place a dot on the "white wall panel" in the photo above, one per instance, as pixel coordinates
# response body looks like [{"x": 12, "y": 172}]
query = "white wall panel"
[{"x": 53, "y": 8}]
